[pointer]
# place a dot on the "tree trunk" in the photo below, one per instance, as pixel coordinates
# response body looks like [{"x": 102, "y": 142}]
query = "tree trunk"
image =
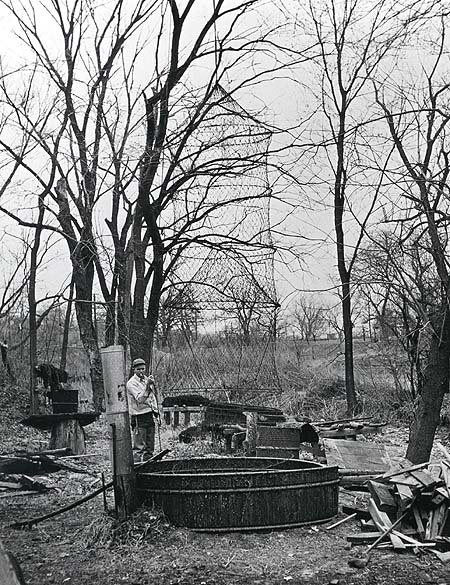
[
  {"x": 32, "y": 318},
  {"x": 110, "y": 321},
  {"x": 157, "y": 284},
  {"x": 5, "y": 360},
  {"x": 435, "y": 384},
  {"x": 124, "y": 299},
  {"x": 82, "y": 254},
  {"x": 65, "y": 339},
  {"x": 138, "y": 325},
  {"x": 344, "y": 272},
  {"x": 89, "y": 339},
  {"x": 352, "y": 401}
]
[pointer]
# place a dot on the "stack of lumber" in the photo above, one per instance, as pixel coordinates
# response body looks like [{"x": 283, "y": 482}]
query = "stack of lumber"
[
  {"x": 414, "y": 498},
  {"x": 348, "y": 428},
  {"x": 16, "y": 469},
  {"x": 20, "y": 485},
  {"x": 233, "y": 413}
]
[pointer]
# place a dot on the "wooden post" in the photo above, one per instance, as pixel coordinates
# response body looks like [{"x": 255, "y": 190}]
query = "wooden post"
[
  {"x": 124, "y": 477},
  {"x": 252, "y": 433}
]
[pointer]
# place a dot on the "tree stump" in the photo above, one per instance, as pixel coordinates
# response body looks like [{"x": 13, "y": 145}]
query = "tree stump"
[{"x": 68, "y": 433}]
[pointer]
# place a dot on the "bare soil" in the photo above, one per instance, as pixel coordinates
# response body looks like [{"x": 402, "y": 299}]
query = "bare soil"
[{"x": 86, "y": 546}]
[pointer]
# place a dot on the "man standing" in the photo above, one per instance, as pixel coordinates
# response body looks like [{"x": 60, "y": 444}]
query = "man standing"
[{"x": 144, "y": 412}]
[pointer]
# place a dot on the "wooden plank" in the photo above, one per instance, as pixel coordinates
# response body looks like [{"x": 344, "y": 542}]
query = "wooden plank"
[
  {"x": 411, "y": 545},
  {"x": 356, "y": 455},
  {"x": 10, "y": 572},
  {"x": 383, "y": 522},
  {"x": 419, "y": 523},
  {"x": 426, "y": 479},
  {"x": 442, "y": 556},
  {"x": 341, "y": 420},
  {"x": 440, "y": 496},
  {"x": 405, "y": 494},
  {"x": 404, "y": 467},
  {"x": 360, "y": 512},
  {"x": 406, "y": 479},
  {"x": 339, "y": 522},
  {"x": 15, "y": 493},
  {"x": 368, "y": 525},
  {"x": 363, "y": 537},
  {"x": 407, "y": 538},
  {"x": 11, "y": 485},
  {"x": 436, "y": 522},
  {"x": 434, "y": 469},
  {"x": 382, "y": 497},
  {"x": 445, "y": 474},
  {"x": 193, "y": 409}
]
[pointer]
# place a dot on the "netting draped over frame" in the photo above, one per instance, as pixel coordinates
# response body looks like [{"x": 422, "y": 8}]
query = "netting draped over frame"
[{"x": 217, "y": 319}]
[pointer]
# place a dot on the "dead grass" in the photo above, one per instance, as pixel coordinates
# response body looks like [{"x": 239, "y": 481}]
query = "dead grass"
[{"x": 147, "y": 524}]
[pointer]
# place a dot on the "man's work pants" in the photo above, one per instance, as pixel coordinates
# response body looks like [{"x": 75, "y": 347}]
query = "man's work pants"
[{"x": 143, "y": 426}]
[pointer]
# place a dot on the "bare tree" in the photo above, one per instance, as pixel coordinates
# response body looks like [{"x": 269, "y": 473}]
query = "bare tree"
[
  {"x": 398, "y": 285},
  {"x": 354, "y": 38},
  {"x": 417, "y": 120},
  {"x": 178, "y": 313},
  {"x": 69, "y": 132},
  {"x": 97, "y": 114},
  {"x": 309, "y": 318}
]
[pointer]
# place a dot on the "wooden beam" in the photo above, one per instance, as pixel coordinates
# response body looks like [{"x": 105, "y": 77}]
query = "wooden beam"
[
  {"x": 384, "y": 524},
  {"x": 382, "y": 497}
]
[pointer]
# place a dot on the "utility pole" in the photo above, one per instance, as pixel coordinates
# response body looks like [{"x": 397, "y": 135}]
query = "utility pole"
[{"x": 124, "y": 477}]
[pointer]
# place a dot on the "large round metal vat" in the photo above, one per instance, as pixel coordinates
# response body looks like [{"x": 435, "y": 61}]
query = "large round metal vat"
[{"x": 239, "y": 493}]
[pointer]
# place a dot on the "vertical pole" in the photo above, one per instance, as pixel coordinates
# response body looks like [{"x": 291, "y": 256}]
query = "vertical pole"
[
  {"x": 105, "y": 502},
  {"x": 113, "y": 365},
  {"x": 95, "y": 316},
  {"x": 252, "y": 433}
]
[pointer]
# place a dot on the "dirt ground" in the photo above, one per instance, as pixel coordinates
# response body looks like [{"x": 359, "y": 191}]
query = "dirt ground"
[{"x": 84, "y": 546}]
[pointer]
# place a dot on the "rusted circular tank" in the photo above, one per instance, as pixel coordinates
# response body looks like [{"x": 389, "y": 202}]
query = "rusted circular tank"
[{"x": 239, "y": 493}]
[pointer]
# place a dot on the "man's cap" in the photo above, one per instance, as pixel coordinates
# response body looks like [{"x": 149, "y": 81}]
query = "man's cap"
[{"x": 138, "y": 362}]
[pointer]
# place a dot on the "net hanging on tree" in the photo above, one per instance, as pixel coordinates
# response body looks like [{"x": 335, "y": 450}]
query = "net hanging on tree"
[{"x": 218, "y": 316}]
